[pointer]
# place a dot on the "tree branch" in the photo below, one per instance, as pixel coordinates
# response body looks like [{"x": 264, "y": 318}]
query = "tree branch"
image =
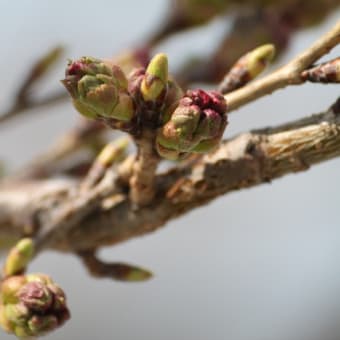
[
  {"x": 290, "y": 74},
  {"x": 242, "y": 162}
]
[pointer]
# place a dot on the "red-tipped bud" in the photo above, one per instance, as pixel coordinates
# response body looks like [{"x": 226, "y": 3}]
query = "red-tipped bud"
[
  {"x": 99, "y": 89},
  {"x": 200, "y": 117}
]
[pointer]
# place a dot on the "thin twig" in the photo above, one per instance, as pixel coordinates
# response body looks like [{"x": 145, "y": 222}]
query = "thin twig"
[{"x": 290, "y": 74}]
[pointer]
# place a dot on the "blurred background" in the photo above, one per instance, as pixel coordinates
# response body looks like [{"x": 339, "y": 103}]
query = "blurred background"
[{"x": 256, "y": 264}]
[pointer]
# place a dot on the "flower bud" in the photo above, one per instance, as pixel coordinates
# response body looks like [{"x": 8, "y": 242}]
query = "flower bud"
[
  {"x": 31, "y": 305},
  {"x": 154, "y": 83},
  {"x": 174, "y": 94},
  {"x": 17, "y": 313},
  {"x": 40, "y": 324},
  {"x": 328, "y": 72},
  {"x": 19, "y": 256},
  {"x": 258, "y": 59},
  {"x": 10, "y": 287},
  {"x": 99, "y": 89},
  {"x": 39, "y": 277},
  {"x": 169, "y": 154},
  {"x": 6, "y": 324},
  {"x": 59, "y": 298},
  {"x": 196, "y": 125},
  {"x": 22, "y": 332},
  {"x": 247, "y": 68},
  {"x": 36, "y": 296},
  {"x": 128, "y": 273}
]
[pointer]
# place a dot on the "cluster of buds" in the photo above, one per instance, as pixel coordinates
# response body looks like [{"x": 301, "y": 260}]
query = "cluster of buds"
[
  {"x": 31, "y": 305},
  {"x": 149, "y": 98},
  {"x": 99, "y": 91},
  {"x": 196, "y": 125}
]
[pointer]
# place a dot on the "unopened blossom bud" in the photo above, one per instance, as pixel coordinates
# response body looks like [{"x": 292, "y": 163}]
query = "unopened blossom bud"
[
  {"x": 19, "y": 256},
  {"x": 196, "y": 125},
  {"x": 59, "y": 298},
  {"x": 10, "y": 287},
  {"x": 41, "y": 324},
  {"x": 128, "y": 273},
  {"x": 328, "y": 72},
  {"x": 17, "y": 313},
  {"x": 169, "y": 154},
  {"x": 247, "y": 68},
  {"x": 5, "y": 323},
  {"x": 31, "y": 305},
  {"x": 154, "y": 83},
  {"x": 39, "y": 277},
  {"x": 173, "y": 96},
  {"x": 149, "y": 89},
  {"x": 99, "y": 89},
  {"x": 36, "y": 296},
  {"x": 112, "y": 153}
]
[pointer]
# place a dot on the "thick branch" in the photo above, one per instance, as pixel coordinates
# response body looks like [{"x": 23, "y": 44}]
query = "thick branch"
[{"x": 245, "y": 161}]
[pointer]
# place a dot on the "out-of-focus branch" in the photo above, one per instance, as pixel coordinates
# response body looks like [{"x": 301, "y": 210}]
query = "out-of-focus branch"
[
  {"x": 85, "y": 134},
  {"x": 20, "y": 108},
  {"x": 255, "y": 25},
  {"x": 113, "y": 270},
  {"x": 23, "y": 100}
]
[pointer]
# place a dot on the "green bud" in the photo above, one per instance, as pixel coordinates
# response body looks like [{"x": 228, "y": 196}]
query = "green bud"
[
  {"x": 199, "y": 117},
  {"x": 128, "y": 273},
  {"x": 39, "y": 277},
  {"x": 124, "y": 109},
  {"x": 247, "y": 68},
  {"x": 174, "y": 94},
  {"x": 22, "y": 332},
  {"x": 179, "y": 132},
  {"x": 17, "y": 313},
  {"x": 154, "y": 84},
  {"x": 6, "y": 324},
  {"x": 113, "y": 152},
  {"x": 207, "y": 145},
  {"x": 99, "y": 89},
  {"x": 40, "y": 324},
  {"x": 167, "y": 153},
  {"x": 19, "y": 256},
  {"x": 137, "y": 274},
  {"x": 10, "y": 287},
  {"x": 40, "y": 305},
  {"x": 258, "y": 59},
  {"x": 99, "y": 94}
]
